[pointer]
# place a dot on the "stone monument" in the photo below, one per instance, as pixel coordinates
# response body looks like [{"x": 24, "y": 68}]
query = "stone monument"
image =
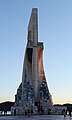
[{"x": 33, "y": 94}]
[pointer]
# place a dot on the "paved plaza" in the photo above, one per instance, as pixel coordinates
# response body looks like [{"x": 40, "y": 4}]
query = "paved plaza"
[{"x": 37, "y": 117}]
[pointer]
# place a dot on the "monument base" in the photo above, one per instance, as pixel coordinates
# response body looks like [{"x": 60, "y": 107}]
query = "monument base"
[{"x": 34, "y": 110}]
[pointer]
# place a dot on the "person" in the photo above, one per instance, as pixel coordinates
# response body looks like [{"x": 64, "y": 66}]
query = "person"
[
  {"x": 70, "y": 113},
  {"x": 29, "y": 113},
  {"x": 64, "y": 112},
  {"x": 25, "y": 112}
]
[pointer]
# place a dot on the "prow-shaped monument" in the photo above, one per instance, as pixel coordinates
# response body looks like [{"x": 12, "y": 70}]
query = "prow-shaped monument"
[{"x": 33, "y": 94}]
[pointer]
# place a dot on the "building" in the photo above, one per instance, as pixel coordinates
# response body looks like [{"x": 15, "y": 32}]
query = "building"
[{"x": 33, "y": 94}]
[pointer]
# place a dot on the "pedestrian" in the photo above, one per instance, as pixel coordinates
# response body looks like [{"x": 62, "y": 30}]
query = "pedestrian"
[
  {"x": 70, "y": 113},
  {"x": 64, "y": 112}
]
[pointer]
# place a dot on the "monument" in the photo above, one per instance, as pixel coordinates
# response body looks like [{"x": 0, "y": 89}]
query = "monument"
[{"x": 33, "y": 94}]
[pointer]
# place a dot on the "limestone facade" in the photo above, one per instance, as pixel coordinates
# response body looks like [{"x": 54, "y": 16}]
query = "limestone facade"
[{"x": 33, "y": 93}]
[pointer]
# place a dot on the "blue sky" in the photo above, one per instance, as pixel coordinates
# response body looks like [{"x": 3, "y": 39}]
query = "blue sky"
[{"x": 55, "y": 30}]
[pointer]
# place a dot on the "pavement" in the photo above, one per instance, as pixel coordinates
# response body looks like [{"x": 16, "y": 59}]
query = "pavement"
[{"x": 37, "y": 117}]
